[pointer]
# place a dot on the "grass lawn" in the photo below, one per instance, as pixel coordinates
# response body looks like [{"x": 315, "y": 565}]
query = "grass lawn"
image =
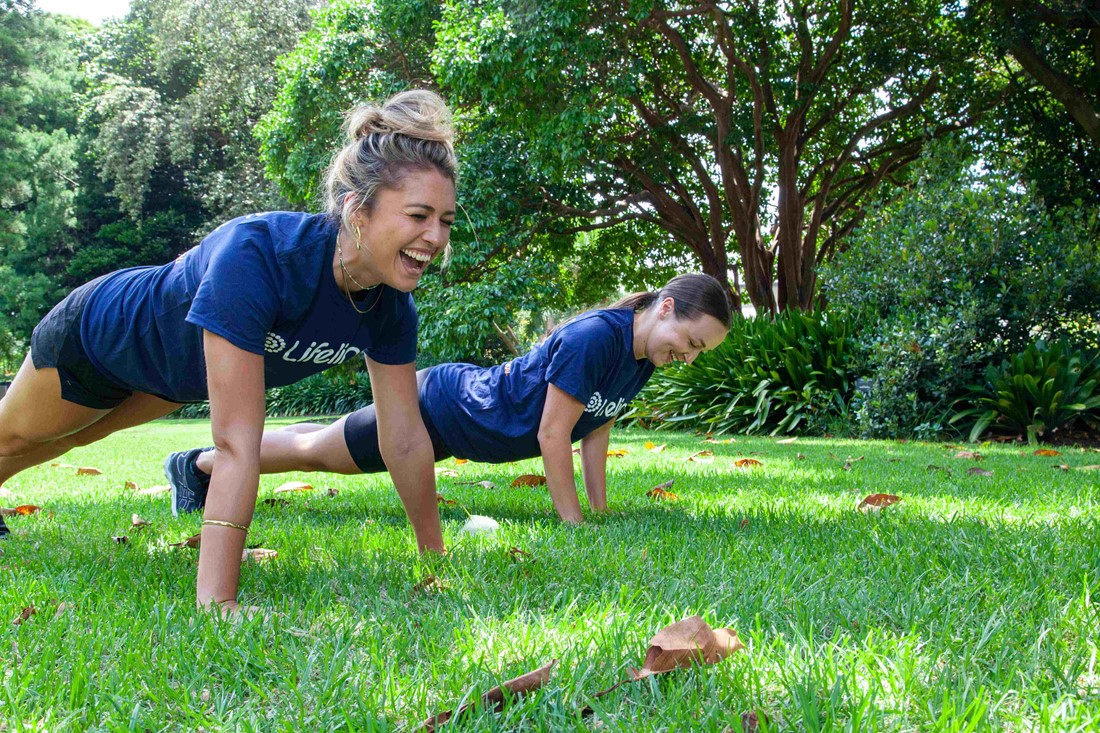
[{"x": 968, "y": 606}]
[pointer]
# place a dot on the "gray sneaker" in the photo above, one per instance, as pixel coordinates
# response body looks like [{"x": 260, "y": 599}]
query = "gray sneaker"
[{"x": 189, "y": 484}]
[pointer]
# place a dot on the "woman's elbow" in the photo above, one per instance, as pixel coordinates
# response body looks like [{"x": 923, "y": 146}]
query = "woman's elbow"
[{"x": 398, "y": 449}]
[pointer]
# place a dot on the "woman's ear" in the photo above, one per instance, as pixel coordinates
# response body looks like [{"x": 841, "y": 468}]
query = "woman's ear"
[{"x": 667, "y": 308}]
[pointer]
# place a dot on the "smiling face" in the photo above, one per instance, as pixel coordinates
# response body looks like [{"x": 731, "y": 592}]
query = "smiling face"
[
  {"x": 671, "y": 339},
  {"x": 401, "y": 232}
]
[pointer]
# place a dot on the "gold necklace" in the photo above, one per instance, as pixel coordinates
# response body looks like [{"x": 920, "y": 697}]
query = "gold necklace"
[{"x": 347, "y": 275}]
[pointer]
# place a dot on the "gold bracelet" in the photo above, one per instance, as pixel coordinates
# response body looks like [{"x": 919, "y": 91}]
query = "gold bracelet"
[{"x": 220, "y": 523}]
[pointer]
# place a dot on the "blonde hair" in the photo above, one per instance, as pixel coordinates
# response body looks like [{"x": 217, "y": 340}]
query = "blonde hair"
[{"x": 409, "y": 131}]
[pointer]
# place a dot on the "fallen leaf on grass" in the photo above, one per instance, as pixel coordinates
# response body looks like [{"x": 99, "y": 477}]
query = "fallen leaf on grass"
[
  {"x": 747, "y": 463},
  {"x": 442, "y": 500},
  {"x": 685, "y": 643},
  {"x": 529, "y": 479},
  {"x": 969, "y": 454},
  {"x": 25, "y": 614},
  {"x": 23, "y": 510},
  {"x": 1046, "y": 453},
  {"x": 519, "y": 555},
  {"x": 1088, "y": 468},
  {"x": 576, "y": 451},
  {"x": 713, "y": 441},
  {"x": 155, "y": 490},
  {"x": 878, "y": 501},
  {"x": 801, "y": 456},
  {"x": 428, "y": 584},
  {"x": 62, "y": 609},
  {"x": 976, "y": 471},
  {"x": 121, "y": 539},
  {"x": 88, "y": 471},
  {"x": 293, "y": 486},
  {"x": 703, "y": 456},
  {"x": 1061, "y": 466},
  {"x": 447, "y": 472},
  {"x": 275, "y": 501},
  {"x": 137, "y": 521},
  {"x": 192, "y": 541},
  {"x": 617, "y": 453},
  {"x": 934, "y": 467},
  {"x": 651, "y": 446},
  {"x": 785, "y": 441},
  {"x": 258, "y": 554},
  {"x": 744, "y": 523},
  {"x": 130, "y": 485},
  {"x": 661, "y": 491},
  {"x": 750, "y": 721},
  {"x": 460, "y": 461},
  {"x": 482, "y": 484},
  {"x": 847, "y": 466},
  {"x": 495, "y": 697}
]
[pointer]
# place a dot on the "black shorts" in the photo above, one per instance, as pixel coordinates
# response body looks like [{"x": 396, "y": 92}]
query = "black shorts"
[
  {"x": 56, "y": 344},
  {"x": 361, "y": 435}
]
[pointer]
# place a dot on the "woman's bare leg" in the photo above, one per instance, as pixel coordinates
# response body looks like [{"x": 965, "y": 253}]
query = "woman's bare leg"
[
  {"x": 37, "y": 424},
  {"x": 301, "y": 447}
]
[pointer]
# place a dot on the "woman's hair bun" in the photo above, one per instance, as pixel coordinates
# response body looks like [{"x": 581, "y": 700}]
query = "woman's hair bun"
[{"x": 417, "y": 113}]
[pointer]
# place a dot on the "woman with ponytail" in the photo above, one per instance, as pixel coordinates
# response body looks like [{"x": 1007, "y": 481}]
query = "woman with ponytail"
[
  {"x": 570, "y": 387},
  {"x": 265, "y": 300}
]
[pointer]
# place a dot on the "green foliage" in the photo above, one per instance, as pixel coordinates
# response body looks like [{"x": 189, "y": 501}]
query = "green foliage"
[
  {"x": 1035, "y": 393},
  {"x": 791, "y": 374},
  {"x": 38, "y": 154},
  {"x": 508, "y": 268},
  {"x": 334, "y": 392},
  {"x": 961, "y": 270}
]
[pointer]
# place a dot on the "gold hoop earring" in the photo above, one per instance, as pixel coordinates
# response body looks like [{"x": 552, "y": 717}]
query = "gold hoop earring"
[{"x": 358, "y": 236}]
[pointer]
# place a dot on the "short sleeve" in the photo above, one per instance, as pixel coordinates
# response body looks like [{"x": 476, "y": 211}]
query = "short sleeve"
[
  {"x": 393, "y": 331},
  {"x": 583, "y": 353},
  {"x": 238, "y": 296}
]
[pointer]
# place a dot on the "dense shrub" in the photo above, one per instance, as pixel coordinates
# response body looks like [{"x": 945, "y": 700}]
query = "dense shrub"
[
  {"x": 790, "y": 374},
  {"x": 335, "y": 392},
  {"x": 1035, "y": 393},
  {"x": 963, "y": 269}
]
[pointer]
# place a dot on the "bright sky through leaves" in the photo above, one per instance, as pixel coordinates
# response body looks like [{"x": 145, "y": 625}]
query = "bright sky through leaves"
[{"x": 95, "y": 11}]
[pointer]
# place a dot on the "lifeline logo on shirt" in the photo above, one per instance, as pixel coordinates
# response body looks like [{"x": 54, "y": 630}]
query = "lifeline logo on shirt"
[
  {"x": 599, "y": 407},
  {"x": 318, "y": 353}
]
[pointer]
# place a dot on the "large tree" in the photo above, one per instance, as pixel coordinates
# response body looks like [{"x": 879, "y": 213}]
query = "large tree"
[
  {"x": 750, "y": 132},
  {"x": 511, "y": 267}
]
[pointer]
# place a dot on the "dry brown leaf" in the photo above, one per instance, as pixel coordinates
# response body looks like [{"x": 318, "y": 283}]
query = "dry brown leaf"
[
  {"x": 24, "y": 510},
  {"x": 137, "y": 521},
  {"x": 969, "y": 454},
  {"x": 482, "y": 484},
  {"x": 460, "y": 461},
  {"x": 1061, "y": 466},
  {"x": 617, "y": 453},
  {"x": 258, "y": 554},
  {"x": 192, "y": 541},
  {"x": 750, "y": 721},
  {"x": 744, "y": 523},
  {"x": 62, "y": 609},
  {"x": 801, "y": 456},
  {"x": 25, "y": 614},
  {"x": 1046, "y": 453},
  {"x": 576, "y": 451},
  {"x": 131, "y": 486},
  {"x": 121, "y": 539},
  {"x": 934, "y": 467},
  {"x": 976, "y": 471},
  {"x": 495, "y": 697},
  {"x": 661, "y": 494},
  {"x": 529, "y": 479},
  {"x": 428, "y": 584},
  {"x": 685, "y": 643},
  {"x": 747, "y": 463},
  {"x": 518, "y": 554},
  {"x": 651, "y": 446},
  {"x": 847, "y": 466},
  {"x": 440, "y": 499},
  {"x": 447, "y": 473},
  {"x": 878, "y": 501},
  {"x": 275, "y": 501},
  {"x": 155, "y": 490},
  {"x": 332, "y": 492},
  {"x": 88, "y": 471},
  {"x": 703, "y": 456},
  {"x": 293, "y": 486}
]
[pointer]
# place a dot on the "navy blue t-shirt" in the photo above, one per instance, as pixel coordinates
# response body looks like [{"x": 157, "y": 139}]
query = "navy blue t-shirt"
[
  {"x": 493, "y": 414},
  {"x": 264, "y": 283}
]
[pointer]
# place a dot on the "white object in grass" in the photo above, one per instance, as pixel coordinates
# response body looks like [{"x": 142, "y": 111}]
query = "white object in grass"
[{"x": 477, "y": 524}]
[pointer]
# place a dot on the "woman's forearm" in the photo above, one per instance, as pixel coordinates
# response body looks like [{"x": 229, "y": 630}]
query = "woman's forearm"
[
  {"x": 232, "y": 499},
  {"x": 557, "y": 460},
  {"x": 411, "y": 466}
]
